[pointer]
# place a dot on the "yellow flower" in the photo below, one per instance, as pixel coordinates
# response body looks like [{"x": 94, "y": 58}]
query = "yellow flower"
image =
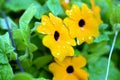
[
  {"x": 69, "y": 69},
  {"x": 96, "y": 11},
  {"x": 65, "y": 4},
  {"x": 57, "y": 38},
  {"x": 82, "y": 24}
]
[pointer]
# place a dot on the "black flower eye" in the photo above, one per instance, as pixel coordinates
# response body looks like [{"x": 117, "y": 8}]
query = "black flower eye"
[
  {"x": 56, "y": 35},
  {"x": 81, "y": 23},
  {"x": 70, "y": 69}
]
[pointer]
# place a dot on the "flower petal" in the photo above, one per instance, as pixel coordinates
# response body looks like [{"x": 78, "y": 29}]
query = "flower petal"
[
  {"x": 81, "y": 74},
  {"x": 74, "y": 13},
  {"x": 49, "y": 41},
  {"x": 96, "y": 11},
  {"x": 72, "y": 26},
  {"x": 71, "y": 77},
  {"x": 58, "y": 49},
  {"x": 65, "y": 37},
  {"x": 86, "y": 12},
  {"x": 46, "y": 27},
  {"x": 60, "y": 52},
  {"x": 58, "y": 71},
  {"x": 79, "y": 61}
]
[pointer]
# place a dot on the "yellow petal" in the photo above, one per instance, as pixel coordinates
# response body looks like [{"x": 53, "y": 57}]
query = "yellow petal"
[
  {"x": 96, "y": 11},
  {"x": 71, "y": 77},
  {"x": 57, "y": 71},
  {"x": 61, "y": 51},
  {"x": 66, "y": 77},
  {"x": 97, "y": 14},
  {"x": 72, "y": 26},
  {"x": 58, "y": 49},
  {"x": 65, "y": 36},
  {"x": 46, "y": 27},
  {"x": 85, "y": 36},
  {"x": 74, "y": 13},
  {"x": 49, "y": 41},
  {"x": 57, "y": 22},
  {"x": 81, "y": 74},
  {"x": 92, "y": 3},
  {"x": 89, "y": 40},
  {"x": 65, "y": 63},
  {"x": 86, "y": 11},
  {"x": 79, "y": 61}
]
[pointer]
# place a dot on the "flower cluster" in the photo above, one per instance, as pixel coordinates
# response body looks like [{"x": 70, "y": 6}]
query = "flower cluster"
[{"x": 81, "y": 24}]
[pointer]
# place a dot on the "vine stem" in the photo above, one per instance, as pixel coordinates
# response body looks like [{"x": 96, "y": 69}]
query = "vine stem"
[
  {"x": 110, "y": 54},
  {"x": 12, "y": 40}
]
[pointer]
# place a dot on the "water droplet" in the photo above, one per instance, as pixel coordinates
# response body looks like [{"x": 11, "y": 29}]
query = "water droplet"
[
  {"x": 58, "y": 53},
  {"x": 89, "y": 37}
]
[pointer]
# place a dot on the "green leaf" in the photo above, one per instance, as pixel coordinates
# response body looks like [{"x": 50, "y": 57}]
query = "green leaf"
[
  {"x": 42, "y": 61},
  {"x": 36, "y": 24},
  {"x": 55, "y": 7},
  {"x": 25, "y": 20},
  {"x": 13, "y": 56},
  {"x": 25, "y": 29},
  {"x": 19, "y": 41},
  {"x": 117, "y": 44},
  {"x": 32, "y": 47},
  {"x": 3, "y": 24},
  {"x": 103, "y": 47},
  {"x": 115, "y": 16},
  {"x": 33, "y": 71},
  {"x": 95, "y": 54},
  {"x": 104, "y": 35},
  {"x": 116, "y": 27},
  {"x": 5, "y": 47},
  {"x": 22, "y": 76},
  {"x": 17, "y": 5},
  {"x": 1, "y": 3},
  {"x": 6, "y": 72},
  {"x": 41, "y": 10},
  {"x": 45, "y": 74},
  {"x": 97, "y": 70},
  {"x": 3, "y": 59},
  {"x": 26, "y": 63},
  {"x": 38, "y": 42},
  {"x": 116, "y": 2},
  {"x": 17, "y": 32},
  {"x": 5, "y": 44},
  {"x": 103, "y": 27}
]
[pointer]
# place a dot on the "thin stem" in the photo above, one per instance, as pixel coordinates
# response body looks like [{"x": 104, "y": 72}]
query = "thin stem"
[
  {"x": 110, "y": 54},
  {"x": 11, "y": 38}
]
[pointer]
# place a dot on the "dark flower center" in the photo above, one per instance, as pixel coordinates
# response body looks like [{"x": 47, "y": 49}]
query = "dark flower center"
[
  {"x": 70, "y": 69},
  {"x": 81, "y": 23},
  {"x": 56, "y": 35}
]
